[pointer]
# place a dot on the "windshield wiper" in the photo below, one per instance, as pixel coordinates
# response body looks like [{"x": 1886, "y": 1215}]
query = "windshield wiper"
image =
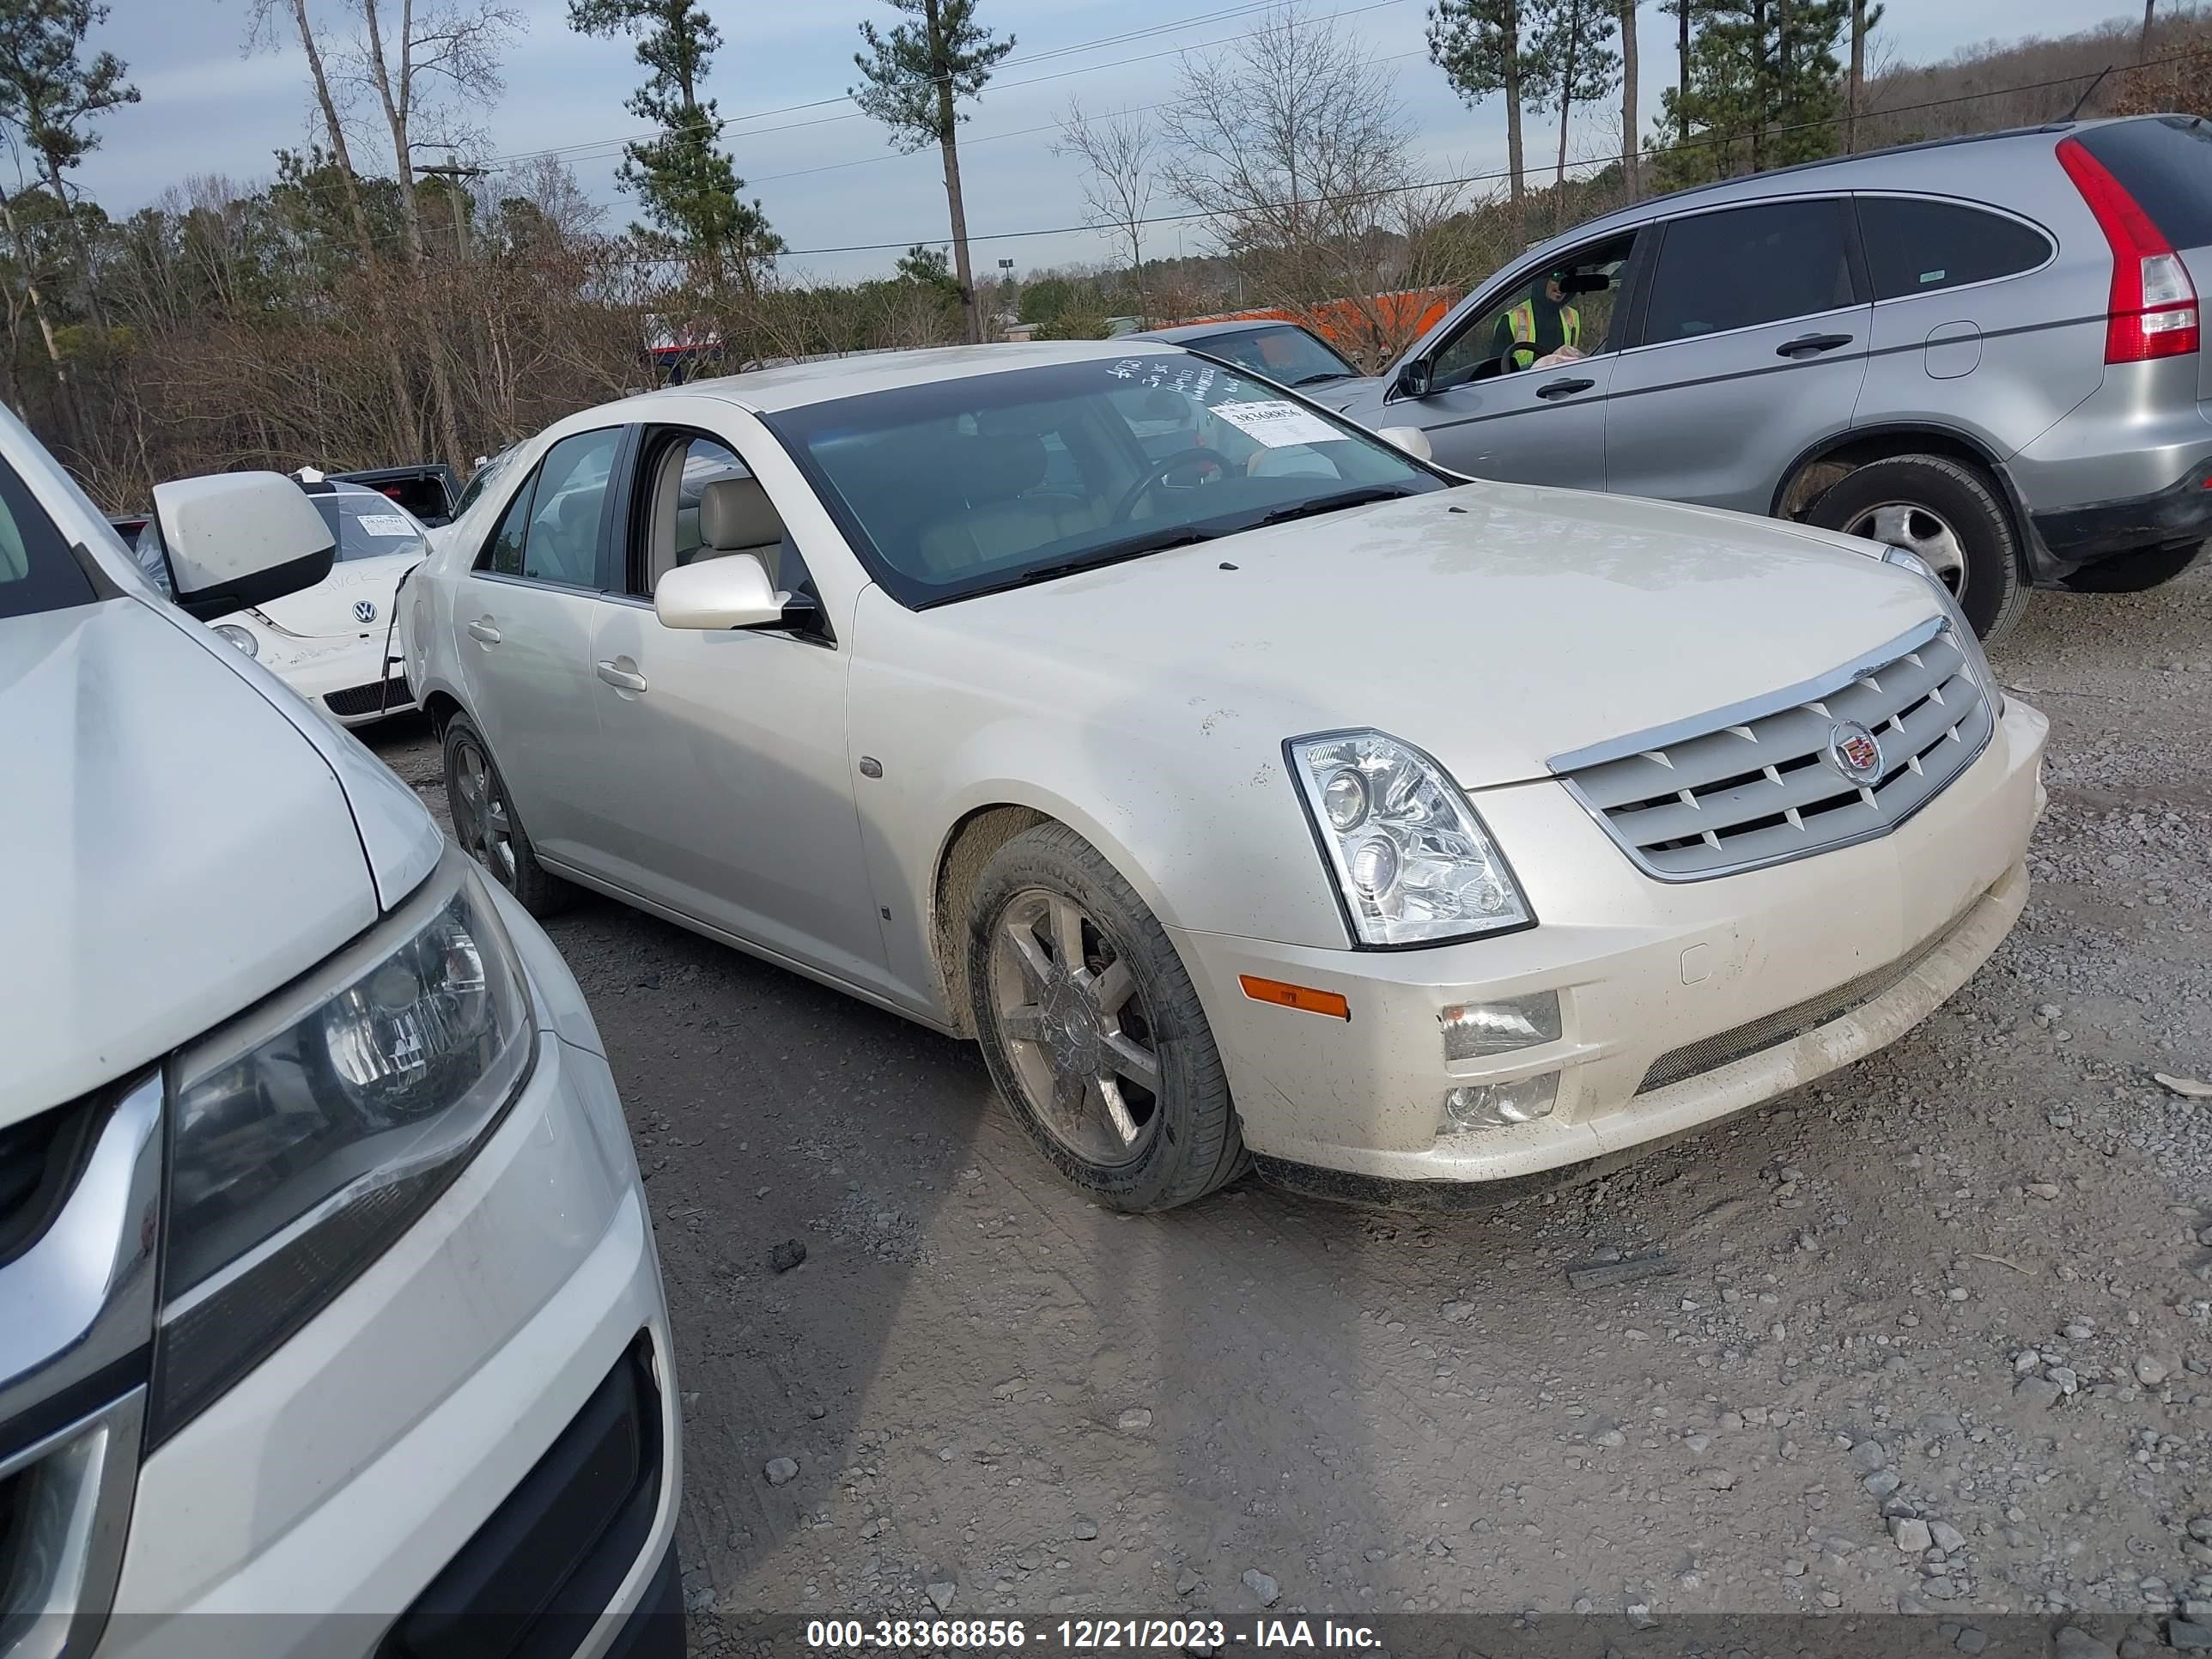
[
  {"x": 1330, "y": 374},
  {"x": 1335, "y": 503},
  {"x": 1180, "y": 535}
]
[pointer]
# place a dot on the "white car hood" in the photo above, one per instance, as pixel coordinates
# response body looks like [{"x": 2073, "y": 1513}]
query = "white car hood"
[
  {"x": 1493, "y": 625},
  {"x": 326, "y": 610},
  {"x": 177, "y": 842}
]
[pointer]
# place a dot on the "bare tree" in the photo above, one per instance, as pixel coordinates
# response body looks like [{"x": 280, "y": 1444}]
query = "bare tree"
[
  {"x": 1293, "y": 142},
  {"x": 1117, "y": 153},
  {"x": 455, "y": 43},
  {"x": 1630, "y": 151}
]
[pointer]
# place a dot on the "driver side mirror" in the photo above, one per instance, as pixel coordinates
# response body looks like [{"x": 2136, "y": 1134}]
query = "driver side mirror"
[
  {"x": 729, "y": 591},
  {"x": 234, "y": 540},
  {"x": 1413, "y": 379}
]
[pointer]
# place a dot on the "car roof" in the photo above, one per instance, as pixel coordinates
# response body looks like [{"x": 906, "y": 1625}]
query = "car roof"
[
  {"x": 1833, "y": 171},
  {"x": 767, "y": 391},
  {"x": 1188, "y": 333}
]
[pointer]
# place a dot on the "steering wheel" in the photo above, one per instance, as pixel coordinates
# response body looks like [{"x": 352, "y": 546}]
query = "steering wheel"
[{"x": 1157, "y": 474}]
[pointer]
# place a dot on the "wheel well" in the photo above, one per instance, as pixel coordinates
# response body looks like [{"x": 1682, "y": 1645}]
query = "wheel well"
[
  {"x": 441, "y": 707},
  {"x": 967, "y": 850},
  {"x": 1821, "y": 470}
]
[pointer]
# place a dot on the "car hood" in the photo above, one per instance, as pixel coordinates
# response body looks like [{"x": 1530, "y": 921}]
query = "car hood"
[
  {"x": 1366, "y": 392},
  {"x": 182, "y": 845},
  {"x": 1493, "y": 625},
  {"x": 326, "y": 610}
]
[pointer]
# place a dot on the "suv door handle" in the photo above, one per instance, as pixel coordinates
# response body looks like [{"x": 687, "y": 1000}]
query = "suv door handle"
[
  {"x": 620, "y": 678},
  {"x": 484, "y": 633},
  {"x": 1805, "y": 344},
  {"x": 1563, "y": 388}
]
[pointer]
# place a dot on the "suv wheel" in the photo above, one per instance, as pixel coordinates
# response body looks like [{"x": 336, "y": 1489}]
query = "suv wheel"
[
  {"x": 1092, "y": 1029},
  {"x": 485, "y": 825},
  {"x": 1948, "y": 513}
]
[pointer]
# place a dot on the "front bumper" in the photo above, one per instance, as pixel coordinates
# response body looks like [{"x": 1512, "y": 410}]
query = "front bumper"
[
  {"x": 380, "y": 1461},
  {"x": 1644, "y": 969},
  {"x": 345, "y": 679}
]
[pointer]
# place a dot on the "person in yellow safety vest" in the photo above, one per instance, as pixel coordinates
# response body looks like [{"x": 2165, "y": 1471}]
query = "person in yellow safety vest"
[{"x": 1538, "y": 326}]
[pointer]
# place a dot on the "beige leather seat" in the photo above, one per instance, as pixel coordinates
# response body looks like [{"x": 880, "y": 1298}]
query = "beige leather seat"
[
  {"x": 736, "y": 516},
  {"x": 1001, "y": 521}
]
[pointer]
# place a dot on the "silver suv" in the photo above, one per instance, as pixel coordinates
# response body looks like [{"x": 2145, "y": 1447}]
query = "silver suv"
[{"x": 1982, "y": 349}]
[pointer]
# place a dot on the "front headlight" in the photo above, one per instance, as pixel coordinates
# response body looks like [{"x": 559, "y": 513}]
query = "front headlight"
[
  {"x": 1969, "y": 641},
  {"x": 232, "y": 634},
  {"x": 1413, "y": 861},
  {"x": 310, "y": 1132}
]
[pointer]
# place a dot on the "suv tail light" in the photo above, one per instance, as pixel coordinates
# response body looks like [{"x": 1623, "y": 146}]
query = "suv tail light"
[{"x": 2153, "y": 309}]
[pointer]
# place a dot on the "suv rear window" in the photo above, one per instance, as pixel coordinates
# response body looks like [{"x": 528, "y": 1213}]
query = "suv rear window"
[
  {"x": 37, "y": 572},
  {"x": 1914, "y": 245},
  {"x": 2166, "y": 164}
]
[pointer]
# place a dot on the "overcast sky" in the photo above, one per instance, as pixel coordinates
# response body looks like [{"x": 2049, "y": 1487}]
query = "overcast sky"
[{"x": 210, "y": 108}]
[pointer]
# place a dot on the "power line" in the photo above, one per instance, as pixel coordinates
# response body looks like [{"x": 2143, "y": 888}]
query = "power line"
[
  {"x": 1710, "y": 142},
  {"x": 720, "y": 127}
]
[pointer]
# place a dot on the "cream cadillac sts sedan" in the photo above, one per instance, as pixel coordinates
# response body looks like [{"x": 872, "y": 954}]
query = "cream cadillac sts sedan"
[{"x": 1250, "y": 790}]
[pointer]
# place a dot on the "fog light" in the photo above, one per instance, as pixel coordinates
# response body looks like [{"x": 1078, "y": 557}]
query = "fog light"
[
  {"x": 1494, "y": 1105},
  {"x": 1476, "y": 1029}
]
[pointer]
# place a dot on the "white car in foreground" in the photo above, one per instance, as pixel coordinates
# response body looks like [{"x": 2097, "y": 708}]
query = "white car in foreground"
[
  {"x": 1282, "y": 796},
  {"x": 329, "y": 1318},
  {"x": 329, "y": 642}
]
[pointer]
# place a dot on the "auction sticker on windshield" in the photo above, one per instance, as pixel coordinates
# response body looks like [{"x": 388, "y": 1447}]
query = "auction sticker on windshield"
[
  {"x": 1277, "y": 424},
  {"x": 385, "y": 524}
]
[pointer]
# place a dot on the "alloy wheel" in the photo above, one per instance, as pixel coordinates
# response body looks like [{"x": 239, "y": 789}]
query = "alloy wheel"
[
  {"x": 1078, "y": 1034},
  {"x": 1911, "y": 526},
  {"x": 482, "y": 822}
]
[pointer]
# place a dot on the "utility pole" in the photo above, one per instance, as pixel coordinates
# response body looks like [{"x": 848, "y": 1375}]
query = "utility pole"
[{"x": 453, "y": 172}]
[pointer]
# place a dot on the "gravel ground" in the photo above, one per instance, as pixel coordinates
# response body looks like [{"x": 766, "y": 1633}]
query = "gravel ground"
[{"x": 1933, "y": 1335}]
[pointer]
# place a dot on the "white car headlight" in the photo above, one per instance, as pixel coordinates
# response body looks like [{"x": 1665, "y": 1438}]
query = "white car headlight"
[
  {"x": 313, "y": 1131},
  {"x": 232, "y": 634},
  {"x": 1412, "y": 860},
  {"x": 1969, "y": 641}
]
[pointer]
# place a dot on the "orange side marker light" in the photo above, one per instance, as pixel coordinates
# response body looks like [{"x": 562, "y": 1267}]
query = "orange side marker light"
[{"x": 1304, "y": 998}]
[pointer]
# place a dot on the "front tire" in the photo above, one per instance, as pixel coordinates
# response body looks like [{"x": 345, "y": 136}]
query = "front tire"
[
  {"x": 487, "y": 826},
  {"x": 1952, "y": 515},
  {"x": 1092, "y": 1029}
]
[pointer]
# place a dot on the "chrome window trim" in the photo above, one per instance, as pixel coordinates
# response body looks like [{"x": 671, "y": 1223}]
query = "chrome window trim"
[{"x": 1752, "y": 709}]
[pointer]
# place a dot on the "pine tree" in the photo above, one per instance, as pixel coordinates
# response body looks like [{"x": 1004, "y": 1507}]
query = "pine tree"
[
  {"x": 916, "y": 76},
  {"x": 1574, "y": 39},
  {"x": 1486, "y": 49},
  {"x": 1765, "y": 89},
  {"x": 687, "y": 183},
  {"x": 47, "y": 95}
]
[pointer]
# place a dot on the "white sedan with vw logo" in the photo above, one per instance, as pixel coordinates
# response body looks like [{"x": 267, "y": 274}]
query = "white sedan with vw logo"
[{"x": 328, "y": 642}]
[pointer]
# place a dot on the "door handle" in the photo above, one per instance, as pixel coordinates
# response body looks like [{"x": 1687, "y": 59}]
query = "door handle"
[
  {"x": 620, "y": 678},
  {"x": 484, "y": 633},
  {"x": 1563, "y": 388},
  {"x": 1805, "y": 344}
]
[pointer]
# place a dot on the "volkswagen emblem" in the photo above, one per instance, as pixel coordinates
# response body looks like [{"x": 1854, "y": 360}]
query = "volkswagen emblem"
[
  {"x": 1853, "y": 751},
  {"x": 364, "y": 611}
]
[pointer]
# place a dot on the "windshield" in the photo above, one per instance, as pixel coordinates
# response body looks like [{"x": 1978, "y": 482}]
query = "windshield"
[
  {"x": 369, "y": 525},
  {"x": 485, "y": 475},
  {"x": 1286, "y": 354},
  {"x": 962, "y": 486}
]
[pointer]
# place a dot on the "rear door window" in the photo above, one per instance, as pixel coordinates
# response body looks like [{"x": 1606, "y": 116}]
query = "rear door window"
[
  {"x": 1742, "y": 267},
  {"x": 2166, "y": 164},
  {"x": 553, "y": 530},
  {"x": 1917, "y": 245}
]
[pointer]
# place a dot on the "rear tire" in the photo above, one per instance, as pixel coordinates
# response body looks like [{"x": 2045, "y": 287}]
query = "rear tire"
[
  {"x": 488, "y": 829},
  {"x": 1092, "y": 1029},
  {"x": 1953, "y": 515}
]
